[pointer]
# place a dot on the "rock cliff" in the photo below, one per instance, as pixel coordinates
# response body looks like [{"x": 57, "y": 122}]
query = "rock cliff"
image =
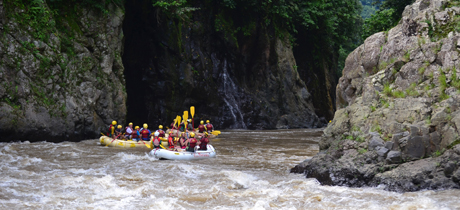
[
  {"x": 61, "y": 75},
  {"x": 398, "y": 118},
  {"x": 234, "y": 80}
]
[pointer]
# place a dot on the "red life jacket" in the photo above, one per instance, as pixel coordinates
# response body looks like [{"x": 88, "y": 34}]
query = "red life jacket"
[
  {"x": 204, "y": 142},
  {"x": 162, "y": 133},
  {"x": 209, "y": 127},
  {"x": 201, "y": 128},
  {"x": 171, "y": 142},
  {"x": 192, "y": 142},
  {"x": 110, "y": 130},
  {"x": 134, "y": 135},
  {"x": 182, "y": 143},
  {"x": 145, "y": 133}
]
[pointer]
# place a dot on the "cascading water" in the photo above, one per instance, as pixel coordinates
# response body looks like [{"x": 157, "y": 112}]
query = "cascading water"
[{"x": 229, "y": 91}]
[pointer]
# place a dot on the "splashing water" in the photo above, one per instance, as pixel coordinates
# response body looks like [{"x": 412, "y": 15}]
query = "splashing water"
[{"x": 251, "y": 171}]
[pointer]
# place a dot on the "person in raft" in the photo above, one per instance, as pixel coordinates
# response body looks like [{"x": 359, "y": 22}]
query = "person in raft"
[
  {"x": 112, "y": 129},
  {"x": 182, "y": 126},
  {"x": 182, "y": 141},
  {"x": 201, "y": 127},
  {"x": 189, "y": 125},
  {"x": 119, "y": 132},
  {"x": 170, "y": 141},
  {"x": 209, "y": 126},
  {"x": 191, "y": 142},
  {"x": 177, "y": 146},
  {"x": 156, "y": 140},
  {"x": 135, "y": 135},
  {"x": 173, "y": 124},
  {"x": 145, "y": 133},
  {"x": 129, "y": 131},
  {"x": 161, "y": 131},
  {"x": 203, "y": 143}
]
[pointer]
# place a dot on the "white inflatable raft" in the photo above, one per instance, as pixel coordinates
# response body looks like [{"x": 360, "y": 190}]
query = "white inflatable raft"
[{"x": 174, "y": 155}]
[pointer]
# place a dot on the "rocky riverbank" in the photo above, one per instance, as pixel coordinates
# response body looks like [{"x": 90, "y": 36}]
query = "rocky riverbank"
[{"x": 398, "y": 118}]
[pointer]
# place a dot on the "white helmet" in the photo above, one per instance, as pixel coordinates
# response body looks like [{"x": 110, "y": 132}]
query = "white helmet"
[{"x": 157, "y": 133}]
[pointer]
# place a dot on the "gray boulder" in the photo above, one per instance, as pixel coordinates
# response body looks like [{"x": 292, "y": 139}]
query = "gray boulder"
[{"x": 394, "y": 157}]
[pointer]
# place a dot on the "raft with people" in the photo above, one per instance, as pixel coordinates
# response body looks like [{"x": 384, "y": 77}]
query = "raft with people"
[
  {"x": 110, "y": 142},
  {"x": 164, "y": 154}
]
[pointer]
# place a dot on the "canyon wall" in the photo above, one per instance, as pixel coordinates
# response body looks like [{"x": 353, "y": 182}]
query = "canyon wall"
[
  {"x": 61, "y": 74},
  {"x": 397, "y": 123}
]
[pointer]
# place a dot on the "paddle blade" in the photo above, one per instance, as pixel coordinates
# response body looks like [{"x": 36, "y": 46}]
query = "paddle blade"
[
  {"x": 185, "y": 115},
  {"x": 192, "y": 111},
  {"x": 215, "y": 133},
  {"x": 148, "y": 146},
  {"x": 178, "y": 121}
]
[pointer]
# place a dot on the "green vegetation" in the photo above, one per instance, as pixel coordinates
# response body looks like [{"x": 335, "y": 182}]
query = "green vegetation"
[
  {"x": 324, "y": 27},
  {"x": 437, "y": 153},
  {"x": 362, "y": 151},
  {"x": 453, "y": 144},
  {"x": 443, "y": 85},
  {"x": 372, "y": 108},
  {"x": 48, "y": 22},
  {"x": 407, "y": 56},
  {"x": 428, "y": 120},
  {"x": 421, "y": 70},
  {"x": 455, "y": 81},
  {"x": 388, "y": 91},
  {"x": 398, "y": 94},
  {"x": 384, "y": 103},
  {"x": 376, "y": 128},
  {"x": 388, "y": 15},
  {"x": 368, "y": 8},
  {"x": 410, "y": 91}
]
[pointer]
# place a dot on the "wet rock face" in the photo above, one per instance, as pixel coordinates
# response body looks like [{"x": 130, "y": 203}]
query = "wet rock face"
[
  {"x": 240, "y": 82},
  {"x": 398, "y": 104},
  {"x": 60, "y": 84}
]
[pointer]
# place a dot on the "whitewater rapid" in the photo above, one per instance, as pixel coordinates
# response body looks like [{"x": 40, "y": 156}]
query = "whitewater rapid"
[{"x": 251, "y": 171}]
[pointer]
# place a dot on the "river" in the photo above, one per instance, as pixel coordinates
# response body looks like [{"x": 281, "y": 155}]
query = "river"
[{"x": 251, "y": 171}]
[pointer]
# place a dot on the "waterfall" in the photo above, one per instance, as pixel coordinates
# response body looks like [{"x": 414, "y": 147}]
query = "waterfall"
[{"x": 230, "y": 90}]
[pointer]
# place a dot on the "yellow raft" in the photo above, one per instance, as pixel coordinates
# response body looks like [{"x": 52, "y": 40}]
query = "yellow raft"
[
  {"x": 105, "y": 140},
  {"x": 128, "y": 144}
]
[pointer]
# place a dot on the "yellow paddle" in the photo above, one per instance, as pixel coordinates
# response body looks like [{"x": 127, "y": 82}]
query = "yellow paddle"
[
  {"x": 178, "y": 122},
  {"x": 103, "y": 134},
  {"x": 215, "y": 133},
  {"x": 192, "y": 112},
  {"x": 185, "y": 119},
  {"x": 148, "y": 146},
  {"x": 113, "y": 140}
]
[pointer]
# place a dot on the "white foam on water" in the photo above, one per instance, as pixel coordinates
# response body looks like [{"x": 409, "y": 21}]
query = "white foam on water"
[
  {"x": 243, "y": 178},
  {"x": 238, "y": 177}
]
